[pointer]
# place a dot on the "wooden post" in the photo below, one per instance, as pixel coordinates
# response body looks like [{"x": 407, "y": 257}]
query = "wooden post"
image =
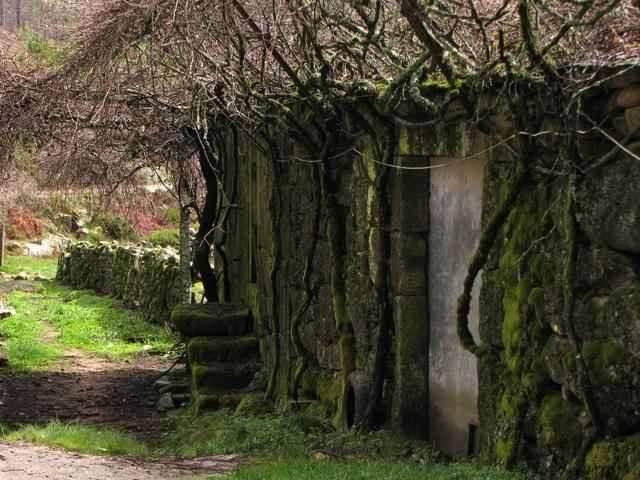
[{"x": 2, "y": 243}]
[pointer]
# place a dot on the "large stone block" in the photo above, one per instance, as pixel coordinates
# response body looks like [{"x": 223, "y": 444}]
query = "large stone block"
[
  {"x": 222, "y": 349},
  {"x": 628, "y": 97},
  {"x": 409, "y": 264},
  {"x": 212, "y": 319},
  {"x": 608, "y": 206},
  {"x": 609, "y": 327},
  {"x": 632, "y": 119},
  {"x": 410, "y": 396},
  {"x": 223, "y": 376}
]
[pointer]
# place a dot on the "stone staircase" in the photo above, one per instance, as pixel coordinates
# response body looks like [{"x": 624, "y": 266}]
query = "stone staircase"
[{"x": 223, "y": 354}]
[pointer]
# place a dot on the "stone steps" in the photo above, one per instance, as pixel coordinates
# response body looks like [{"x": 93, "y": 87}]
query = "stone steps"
[
  {"x": 212, "y": 320},
  {"x": 222, "y": 351},
  {"x": 230, "y": 376}
]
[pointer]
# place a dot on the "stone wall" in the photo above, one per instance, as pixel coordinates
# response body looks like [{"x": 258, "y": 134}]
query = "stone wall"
[
  {"x": 146, "y": 279},
  {"x": 559, "y": 305},
  {"x": 325, "y": 265},
  {"x": 323, "y": 270}
]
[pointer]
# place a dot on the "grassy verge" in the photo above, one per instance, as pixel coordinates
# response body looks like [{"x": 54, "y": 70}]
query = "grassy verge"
[
  {"x": 280, "y": 447},
  {"x": 284, "y": 436},
  {"x": 79, "y": 438},
  {"x": 32, "y": 265},
  {"x": 298, "y": 446},
  {"x": 98, "y": 325},
  {"x": 365, "y": 470}
]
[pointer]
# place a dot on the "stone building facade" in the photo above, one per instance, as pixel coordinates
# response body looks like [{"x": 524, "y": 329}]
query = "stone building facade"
[{"x": 312, "y": 271}]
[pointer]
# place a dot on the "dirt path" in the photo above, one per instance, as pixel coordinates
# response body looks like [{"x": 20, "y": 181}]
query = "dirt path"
[
  {"x": 95, "y": 391},
  {"x": 89, "y": 390},
  {"x": 30, "y": 462}
]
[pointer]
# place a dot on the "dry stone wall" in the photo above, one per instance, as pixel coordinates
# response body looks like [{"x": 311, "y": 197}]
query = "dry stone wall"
[{"x": 146, "y": 279}]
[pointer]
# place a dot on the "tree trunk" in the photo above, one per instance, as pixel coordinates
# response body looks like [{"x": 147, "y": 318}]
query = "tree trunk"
[
  {"x": 185, "y": 255},
  {"x": 204, "y": 237},
  {"x": 3, "y": 241}
]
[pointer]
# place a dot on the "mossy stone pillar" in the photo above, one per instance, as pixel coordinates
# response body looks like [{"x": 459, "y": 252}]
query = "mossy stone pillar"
[{"x": 410, "y": 225}]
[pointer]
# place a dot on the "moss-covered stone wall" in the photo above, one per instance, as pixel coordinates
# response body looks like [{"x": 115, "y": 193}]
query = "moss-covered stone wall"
[
  {"x": 560, "y": 385},
  {"x": 330, "y": 254},
  {"x": 143, "y": 278}
]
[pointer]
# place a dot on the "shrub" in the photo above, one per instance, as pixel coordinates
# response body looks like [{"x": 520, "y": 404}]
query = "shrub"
[
  {"x": 165, "y": 237},
  {"x": 172, "y": 215},
  {"x": 22, "y": 224},
  {"x": 144, "y": 223},
  {"x": 114, "y": 227}
]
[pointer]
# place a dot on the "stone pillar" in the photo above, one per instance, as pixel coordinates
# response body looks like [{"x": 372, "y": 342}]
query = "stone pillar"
[{"x": 410, "y": 226}]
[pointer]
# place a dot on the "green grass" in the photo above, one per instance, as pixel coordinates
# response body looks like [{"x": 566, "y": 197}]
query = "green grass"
[
  {"x": 32, "y": 265},
  {"x": 364, "y": 470},
  {"x": 269, "y": 442},
  {"x": 97, "y": 325},
  {"x": 77, "y": 319},
  {"x": 24, "y": 345},
  {"x": 283, "y": 436},
  {"x": 79, "y": 438},
  {"x": 82, "y": 320}
]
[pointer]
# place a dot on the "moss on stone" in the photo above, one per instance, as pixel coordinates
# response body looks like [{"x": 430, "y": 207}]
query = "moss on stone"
[
  {"x": 221, "y": 349},
  {"x": 512, "y": 303},
  {"x": 223, "y": 376},
  {"x": 602, "y": 354},
  {"x": 253, "y": 404},
  {"x": 505, "y": 450},
  {"x": 558, "y": 422},
  {"x": 614, "y": 460}
]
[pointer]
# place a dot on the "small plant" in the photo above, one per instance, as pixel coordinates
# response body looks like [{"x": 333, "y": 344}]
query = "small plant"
[
  {"x": 41, "y": 49},
  {"x": 165, "y": 237}
]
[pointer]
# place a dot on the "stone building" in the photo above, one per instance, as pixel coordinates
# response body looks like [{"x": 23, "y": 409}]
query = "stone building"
[{"x": 320, "y": 268}]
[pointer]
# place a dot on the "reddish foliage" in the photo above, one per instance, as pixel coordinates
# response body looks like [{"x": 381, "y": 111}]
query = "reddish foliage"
[
  {"x": 144, "y": 223},
  {"x": 23, "y": 224}
]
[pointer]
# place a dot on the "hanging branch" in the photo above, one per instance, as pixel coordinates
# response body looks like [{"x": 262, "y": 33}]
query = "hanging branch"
[{"x": 479, "y": 259}]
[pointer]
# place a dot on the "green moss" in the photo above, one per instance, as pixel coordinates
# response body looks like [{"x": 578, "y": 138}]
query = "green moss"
[
  {"x": 512, "y": 324},
  {"x": 505, "y": 450},
  {"x": 404, "y": 142},
  {"x": 221, "y": 349},
  {"x": 614, "y": 460},
  {"x": 558, "y": 422},
  {"x": 524, "y": 275},
  {"x": 602, "y": 354},
  {"x": 254, "y": 404},
  {"x": 510, "y": 404},
  {"x": 432, "y": 84}
]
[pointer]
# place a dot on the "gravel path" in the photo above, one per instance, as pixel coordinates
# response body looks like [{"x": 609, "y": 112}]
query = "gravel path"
[{"x": 30, "y": 462}]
